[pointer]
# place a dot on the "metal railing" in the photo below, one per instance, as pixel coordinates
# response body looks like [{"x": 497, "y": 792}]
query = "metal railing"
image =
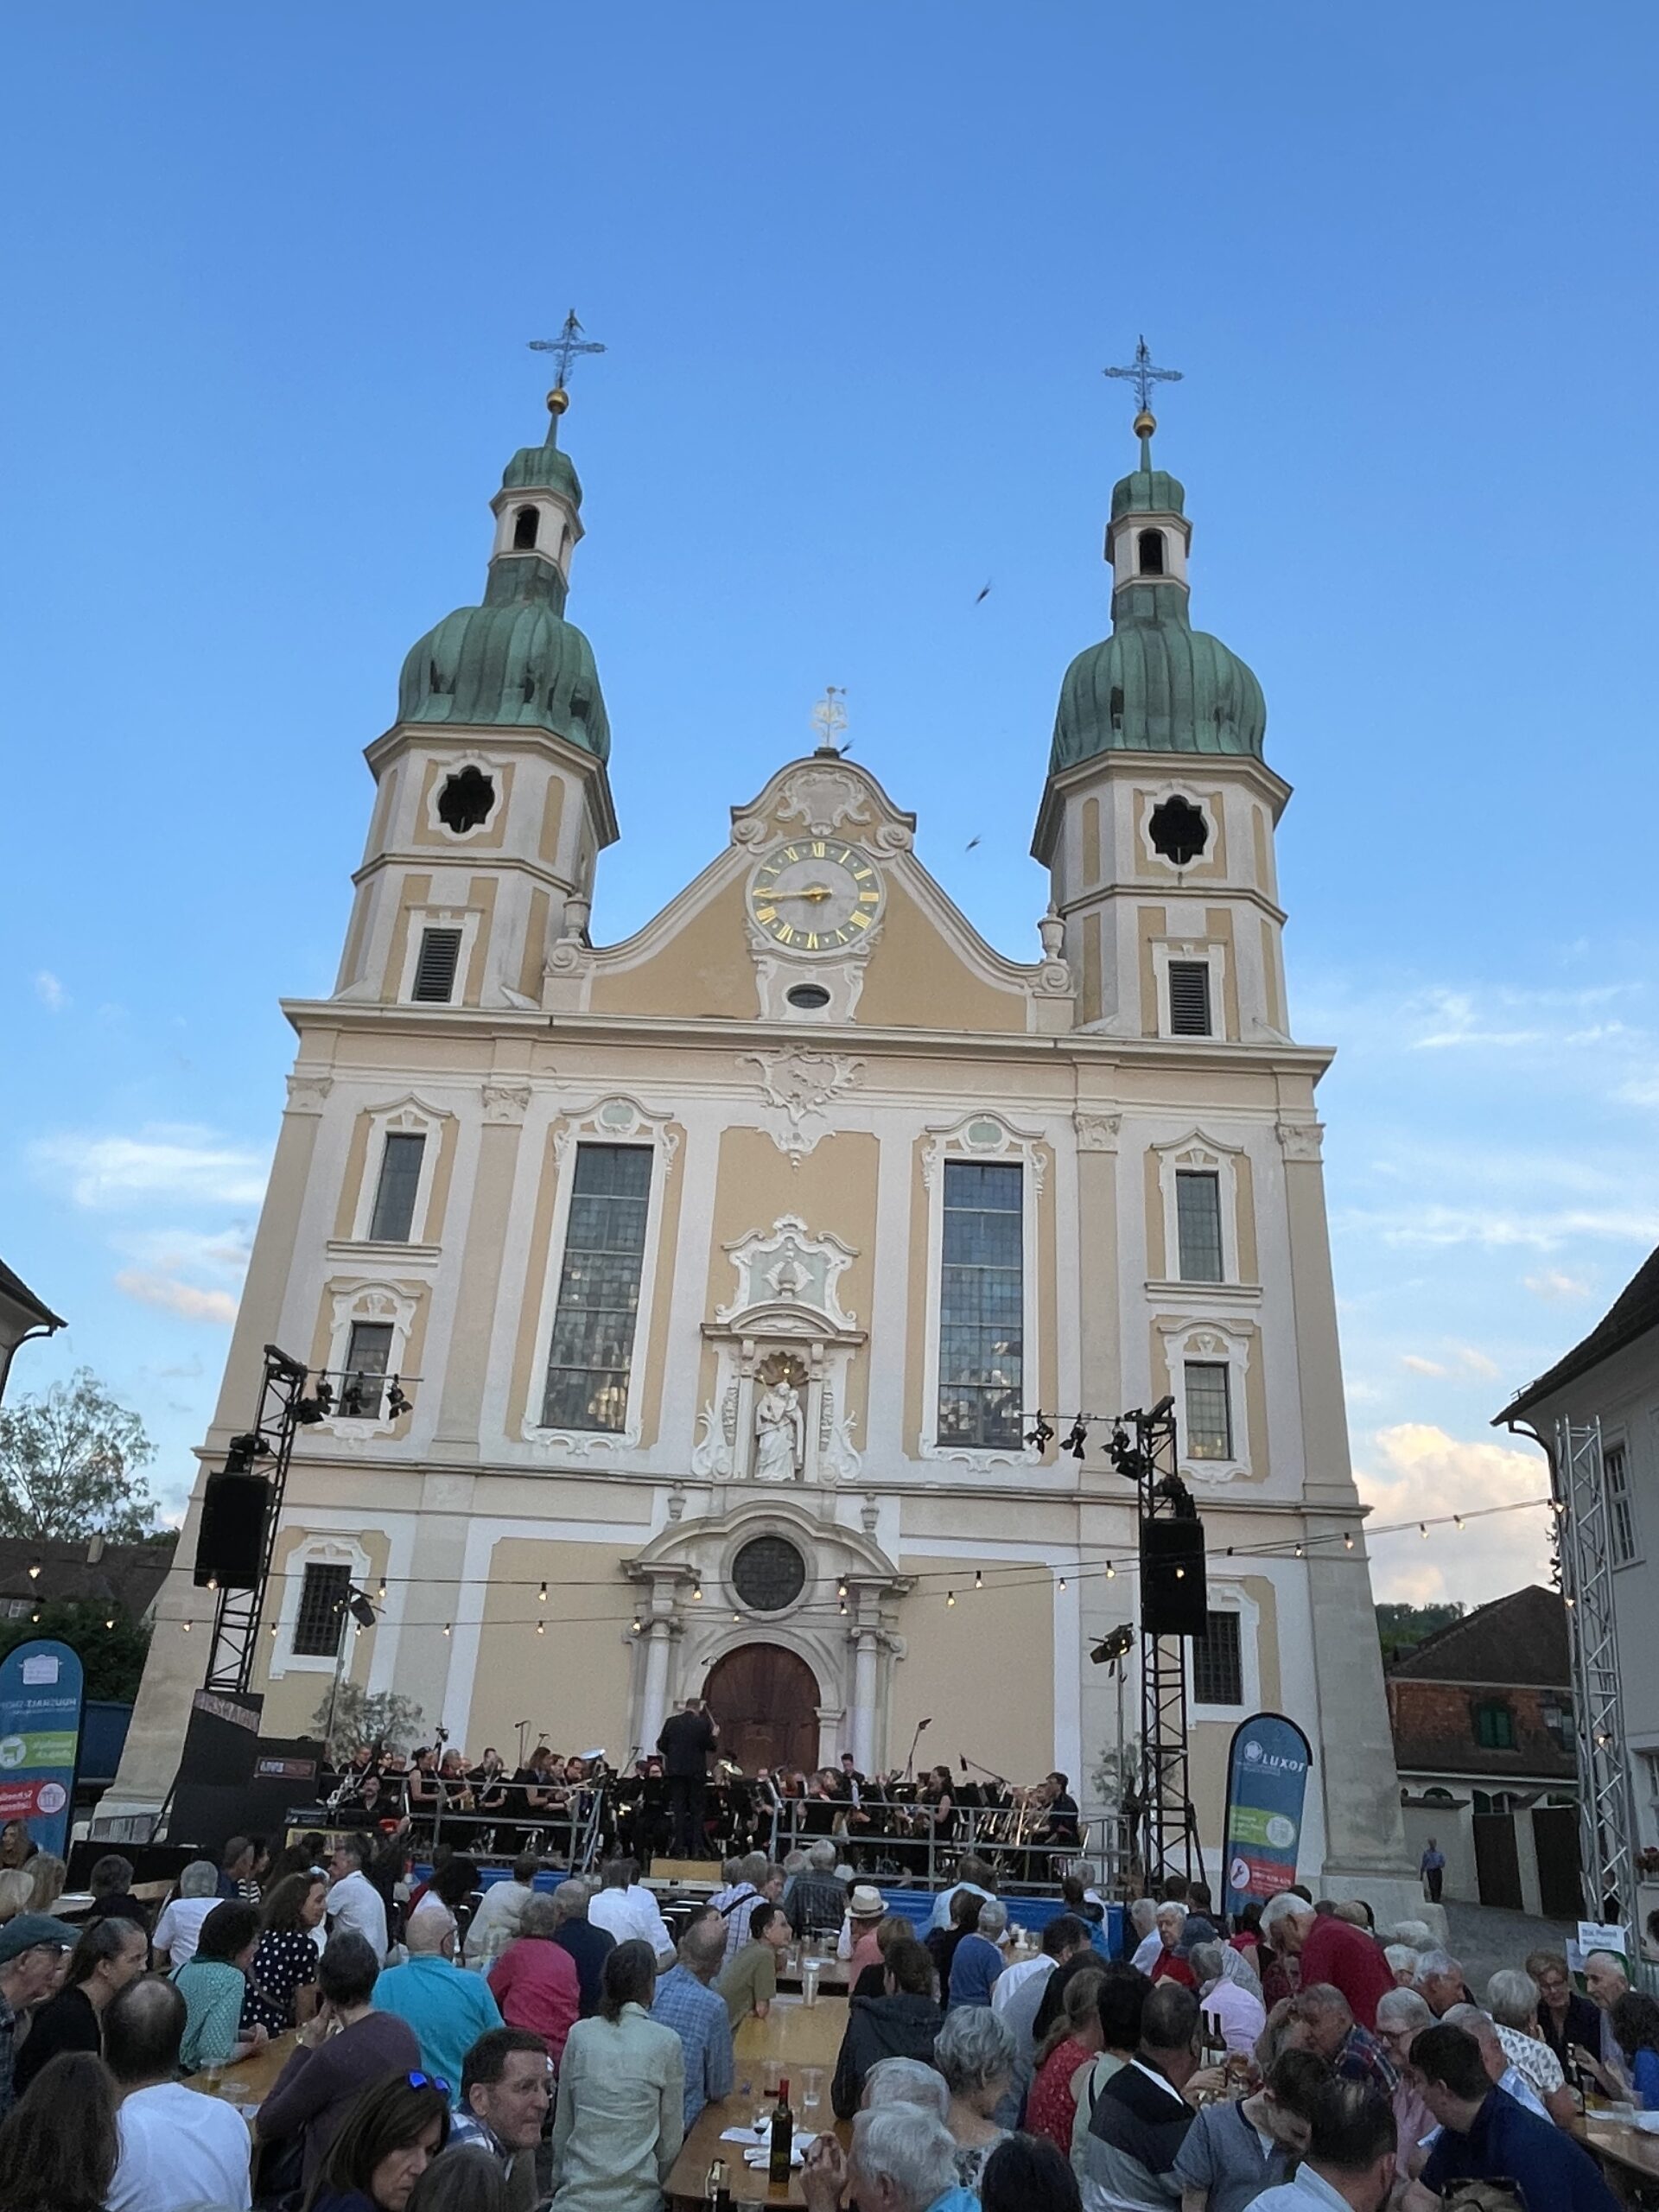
[{"x": 908, "y": 1846}]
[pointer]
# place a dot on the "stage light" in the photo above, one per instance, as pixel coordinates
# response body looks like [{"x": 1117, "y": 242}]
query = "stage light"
[
  {"x": 1077, "y": 1439},
  {"x": 397, "y": 1403},
  {"x": 362, "y": 1610},
  {"x": 1040, "y": 1435},
  {"x": 1164, "y": 1406},
  {"x": 1113, "y": 1645}
]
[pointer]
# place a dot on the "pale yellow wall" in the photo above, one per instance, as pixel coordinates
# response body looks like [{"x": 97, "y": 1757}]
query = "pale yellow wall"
[
  {"x": 1093, "y": 930},
  {"x": 917, "y": 980},
  {"x": 1153, "y": 925},
  {"x": 359, "y": 1164},
  {"x": 417, "y": 892},
  {"x": 703, "y": 969},
  {"x": 1218, "y": 928},
  {"x": 552, "y": 818},
  {"x": 481, "y": 895},
  {"x": 575, "y": 1677},
  {"x": 982, "y": 1670},
  {"x": 1091, "y": 843}
]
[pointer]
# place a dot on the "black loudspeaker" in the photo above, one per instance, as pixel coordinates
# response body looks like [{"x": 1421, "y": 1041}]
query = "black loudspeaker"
[
  {"x": 230, "y": 1542},
  {"x": 1174, "y": 1594}
]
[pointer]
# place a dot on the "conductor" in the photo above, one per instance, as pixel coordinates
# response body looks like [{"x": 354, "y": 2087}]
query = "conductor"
[{"x": 687, "y": 1743}]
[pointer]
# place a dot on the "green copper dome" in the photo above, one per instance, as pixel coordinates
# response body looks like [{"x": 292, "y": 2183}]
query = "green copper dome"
[
  {"x": 1156, "y": 684},
  {"x": 514, "y": 660}
]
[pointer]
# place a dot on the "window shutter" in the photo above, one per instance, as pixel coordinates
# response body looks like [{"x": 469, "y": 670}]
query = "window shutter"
[
  {"x": 1189, "y": 998},
  {"x": 434, "y": 971}
]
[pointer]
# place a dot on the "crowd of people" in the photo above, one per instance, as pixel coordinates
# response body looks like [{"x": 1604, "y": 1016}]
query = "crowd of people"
[{"x": 483, "y": 2047}]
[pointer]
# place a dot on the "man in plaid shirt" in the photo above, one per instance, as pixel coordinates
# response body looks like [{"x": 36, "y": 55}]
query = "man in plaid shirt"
[
  {"x": 1320, "y": 2019},
  {"x": 697, "y": 2014}
]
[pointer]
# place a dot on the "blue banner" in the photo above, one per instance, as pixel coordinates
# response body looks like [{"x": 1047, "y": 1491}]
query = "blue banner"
[
  {"x": 1267, "y": 1781},
  {"x": 41, "y": 1697}
]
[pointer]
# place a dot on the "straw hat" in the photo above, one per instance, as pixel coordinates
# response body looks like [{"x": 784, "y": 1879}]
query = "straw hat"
[{"x": 866, "y": 1902}]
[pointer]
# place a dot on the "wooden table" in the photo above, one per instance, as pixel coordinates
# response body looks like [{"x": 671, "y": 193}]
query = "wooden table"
[
  {"x": 250, "y": 2080},
  {"x": 1632, "y": 2149},
  {"x": 832, "y": 1972},
  {"x": 792, "y": 2038}
]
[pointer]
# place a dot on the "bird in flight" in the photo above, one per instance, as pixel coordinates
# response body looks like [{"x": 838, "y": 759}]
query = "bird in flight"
[
  {"x": 971, "y": 843},
  {"x": 983, "y": 593}
]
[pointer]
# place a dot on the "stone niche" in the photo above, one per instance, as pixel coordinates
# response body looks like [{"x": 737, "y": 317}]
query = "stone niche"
[{"x": 784, "y": 1349}]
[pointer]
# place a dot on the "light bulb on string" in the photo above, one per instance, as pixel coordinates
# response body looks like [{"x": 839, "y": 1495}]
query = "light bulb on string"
[
  {"x": 637, "y": 1624},
  {"x": 1298, "y": 1551},
  {"x": 541, "y": 1628},
  {"x": 840, "y": 1587},
  {"x": 1458, "y": 1522},
  {"x": 446, "y": 1627},
  {"x": 1348, "y": 1539},
  {"x": 187, "y": 1625},
  {"x": 1422, "y": 1531},
  {"x": 380, "y": 1595},
  {"x": 950, "y": 1596},
  {"x": 109, "y": 1623},
  {"x": 979, "y": 1579},
  {"x": 696, "y": 1590},
  {"x": 1062, "y": 1582},
  {"x": 542, "y": 1594}
]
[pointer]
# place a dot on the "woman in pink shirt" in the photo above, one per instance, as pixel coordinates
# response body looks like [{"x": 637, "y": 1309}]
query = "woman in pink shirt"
[
  {"x": 535, "y": 1980},
  {"x": 857, "y": 1944}
]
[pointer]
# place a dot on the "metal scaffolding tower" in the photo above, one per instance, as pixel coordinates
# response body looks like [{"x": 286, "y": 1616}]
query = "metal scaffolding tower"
[{"x": 1606, "y": 1805}]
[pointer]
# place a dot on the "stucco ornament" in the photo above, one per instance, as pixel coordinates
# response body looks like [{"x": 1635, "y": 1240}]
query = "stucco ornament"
[
  {"x": 799, "y": 1083},
  {"x": 823, "y": 799},
  {"x": 780, "y": 1433}
]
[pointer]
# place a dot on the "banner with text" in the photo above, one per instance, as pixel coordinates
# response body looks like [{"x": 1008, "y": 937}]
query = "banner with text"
[
  {"x": 1267, "y": 1780},
  {"x": 40, "y": 1695}
]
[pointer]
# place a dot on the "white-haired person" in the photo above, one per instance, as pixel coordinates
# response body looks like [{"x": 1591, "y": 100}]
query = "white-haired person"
[
  {"x": 179, "y": 1928},
  {"x": 906, "y": 2082},
  {"x": 902, "y": 2160},
  {"x": 1331, "y": 1951},
  {"x": 1223, "y": 1998},
  {"x": 1143, "y": 1930},
  {"x": 1512, "y": 2001},
  {"x": 1401, "y": 2014},
  {"x": 975, "y": 2055},
  {"x": 1403, "y": 1964},
  {"x": 1170, "y": 1962},
  {"x": 1493, "y": 2056}
]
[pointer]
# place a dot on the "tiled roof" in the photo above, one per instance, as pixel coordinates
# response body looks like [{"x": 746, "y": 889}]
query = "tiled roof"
[
  {"x": 14, "y": 1287},
  {"x": 130, "y": 1575},
  {"x": 1520, "y": 1639},
  {"x": 1632, "y": 1314}
]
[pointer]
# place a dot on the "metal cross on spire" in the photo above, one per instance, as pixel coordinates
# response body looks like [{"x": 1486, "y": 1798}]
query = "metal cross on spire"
[
  {"x": 567, "y": 346},
  {"x": 1143, "y": 376}
]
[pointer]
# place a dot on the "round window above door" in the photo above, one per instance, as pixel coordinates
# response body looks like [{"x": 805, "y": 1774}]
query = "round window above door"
[{"x": 768, "y": 1574}]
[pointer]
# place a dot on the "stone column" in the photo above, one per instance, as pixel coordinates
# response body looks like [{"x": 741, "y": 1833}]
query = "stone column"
[
  {"x": 653, "y": 1696},
  {"x": 864, "y": 1673},
  {"x": 467, "y": 1363}
]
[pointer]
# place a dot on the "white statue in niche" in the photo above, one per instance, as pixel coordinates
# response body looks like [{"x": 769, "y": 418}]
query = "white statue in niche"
[{"x": 779, "y": 1427}]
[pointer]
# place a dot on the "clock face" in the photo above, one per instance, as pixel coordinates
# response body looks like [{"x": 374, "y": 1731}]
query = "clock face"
[{"x": 816, "y": 895}]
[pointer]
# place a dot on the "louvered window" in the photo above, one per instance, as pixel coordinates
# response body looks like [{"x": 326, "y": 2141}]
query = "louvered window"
[
  {"x": 1189, "y": 998},
  {"x": 368, "y": 1354},
  {"x": 1197, "y": 1223},
  {"x": 400, "y": 1180},
  {"x": 982, "y": 1306},
  {"x": 321, "y": 1611},
  {"x": 1209, "y": 1410},
  {"x": 1218, "y": 1663},
  {"x": 434, "y": 971},
  {"x": 591, "y": 1358}
]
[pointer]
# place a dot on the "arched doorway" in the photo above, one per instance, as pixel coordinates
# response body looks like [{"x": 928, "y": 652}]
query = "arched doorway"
[{"x": 765, "y": 1703}]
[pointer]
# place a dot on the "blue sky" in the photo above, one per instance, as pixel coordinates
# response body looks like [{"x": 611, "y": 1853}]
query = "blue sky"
[{"x": 858, "y": 270}]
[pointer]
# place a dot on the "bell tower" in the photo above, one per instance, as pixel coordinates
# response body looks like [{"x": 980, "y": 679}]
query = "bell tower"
[
  {"x": 493, "y": 801},
  {"x": 1158, "y": 817}
]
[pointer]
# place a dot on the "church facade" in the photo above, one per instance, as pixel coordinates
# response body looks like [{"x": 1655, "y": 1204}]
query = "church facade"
[{"x": 726, "y": 1270}]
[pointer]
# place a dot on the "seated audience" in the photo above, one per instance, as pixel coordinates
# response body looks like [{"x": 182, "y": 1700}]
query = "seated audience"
[
  {"x": 942, "y": 1942},
  {"x": 344, "y": 2048},
  {"x": 462, "y": 2178},
  {"x": 448, "y": 2007},
  {"x": 888, "y": 1929},
  {"x": 748, "y": 1982},
  {"x": 628, "y": 1912},
  {"x": 1513, "y": 1999},
  {"x": 1486, "y": 2136},
  {"x": 1140, "y": 2117},
  {"x": 687, "y": 2001},
  {"x": 111, "y": 1883},
  {"x": 506, "y": 2090},
  {"x": 1119, "y": 2001},
  {"x": 1494, "y": 2059},
  {"x": 214, "y": 1983},
  {"x": 744, "y": 1875},
  {"x": 535, "y": 1980},
  {"x": 1350, "y": 2154},
  {"x": 109, "y": 1955},
  {"x": 1403, "y": 1964},
  {"x": 1240, "y": 2012},
  {"x": 817, "y": 1899},
  {"x": 283, "y": 1976},
  {"x": 975, "y": 2055},
  {"x": 1565, "y": 2017},
  {"x": 904, "y": 2022},
  {"x": 386, "y": 2142},
  {"x": 179, "y": 2151},
  {"x": 588, "y": 1945},
  {"x": 1019, "y": 1993},
  {"x": 859, "y": 1942},
  {"x": 1636, "y": 2024},
  {"x": 1069, "y": 2050},
  {"x": 1234, "y": 2151},
  {"x": 448, "y": 1895},
  {"x": 1319, "y": 2019},
  {"x": 501, "y": 1912},
  {"x": 1401, "y": 2016},
  {"x": 902, "y": 2160},
  {"x": 354, "y": 1903},
  {"x": 236, "y": 1871},
  {"x": 973, "y": 1873},
  {"x": 31, "y": 1948},
  {"x": 174, "y": 1943},
  {"x": 620, "y": 2117},
  {"x": 1026, "y": 2174},
  {"x": 978, "y": 1959},
  {"x": 906, "y": 2082},
  {"x": 46, "y": 1875},
  {"x": 58, "y": 2145},
  {"x": 1330, "y": 1952},
  {"x": 1439, "y": 1982}
]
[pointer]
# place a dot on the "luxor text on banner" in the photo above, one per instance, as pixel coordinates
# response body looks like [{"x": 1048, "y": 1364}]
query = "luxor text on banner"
[{"x": 1267, "y": 1782}]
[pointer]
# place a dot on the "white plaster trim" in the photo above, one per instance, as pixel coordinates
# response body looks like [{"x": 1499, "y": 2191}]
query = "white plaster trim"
[
  {"x": 983, "y": 1134},
  {"x": 1231, "y": 1598},
  {"x": 1214, "y": 955},
  {"x": 317, "y": 1550},
  {"x": 1197, "y": 1152},
  {"x": 467, "y": 920},
  {"x": 1153, "y": 795},
  {"x": 368, "y": 1302},
  {"x": 1214, "y": 1342},
  {"x": 614, "y": 1119},
  {"x": 452, "y": 764}
]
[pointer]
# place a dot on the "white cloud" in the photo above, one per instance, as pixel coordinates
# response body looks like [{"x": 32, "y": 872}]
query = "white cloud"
[
  {"x": 1477, "y": 1362},
  {"x": 50, "y": 992},
  {"x": 170, "y": 1161},
  {"x": 1543, "y": 1231},
  {"x": 1552, "y": 1284},
  {"x": 190, "y": 1251},
  {"x": 1420, "y": 1366},
  {"x": 187, "y": 1299},
  {"x": 1415, "y": 1471}
]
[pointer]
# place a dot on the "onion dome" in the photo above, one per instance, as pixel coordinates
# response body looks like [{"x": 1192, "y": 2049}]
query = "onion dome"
[
  {"x": 1156, "y": 684},
  {"x": 515, "y": 660}
]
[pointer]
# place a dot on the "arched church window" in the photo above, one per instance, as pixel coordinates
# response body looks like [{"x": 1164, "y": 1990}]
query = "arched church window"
[
  {"x": 768, "y": 1574},
  {"x": 525, "y": 524},
  {"x": 465, "y": 801},
  {"x": 1149, "y": 552}
]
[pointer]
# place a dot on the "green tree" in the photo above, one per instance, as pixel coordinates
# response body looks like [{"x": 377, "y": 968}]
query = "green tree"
[
  {"x": 1400, "y": 1627},
  {"x": 112, "y": 1644},
  {"x": 359, "y": 1718},
  {"x": 68, "y": 1466}
]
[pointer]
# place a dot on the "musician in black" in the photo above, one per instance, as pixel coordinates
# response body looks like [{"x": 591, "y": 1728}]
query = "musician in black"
[
  {"x": 688, "y": 1742},
  {"x": 1059, "y": 1828}
]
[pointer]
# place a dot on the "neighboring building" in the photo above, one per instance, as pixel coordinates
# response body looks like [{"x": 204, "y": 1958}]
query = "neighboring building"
[
  {"x": 1482, "y": 1713},
  {"x": 22, "y": 1316},
  {"x": 733, "y": 1261},
  {"x": 92, "y": 1571},
  {"x": 1612, "y": 1376}
]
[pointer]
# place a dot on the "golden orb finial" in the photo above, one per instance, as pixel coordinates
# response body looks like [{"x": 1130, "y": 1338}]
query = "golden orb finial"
[
  {"x": 557, "y": 400},
  {"x": 1145, "y": 423}
]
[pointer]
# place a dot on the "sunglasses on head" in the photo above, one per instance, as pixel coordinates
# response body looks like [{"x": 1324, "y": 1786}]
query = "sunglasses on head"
[{"x": 427, "y": 2082}]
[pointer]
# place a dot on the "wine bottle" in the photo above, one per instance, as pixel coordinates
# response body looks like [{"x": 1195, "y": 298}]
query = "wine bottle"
[
  {"x": 717, "y": 2194},
  {"x": 783, "y": 2136}
]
